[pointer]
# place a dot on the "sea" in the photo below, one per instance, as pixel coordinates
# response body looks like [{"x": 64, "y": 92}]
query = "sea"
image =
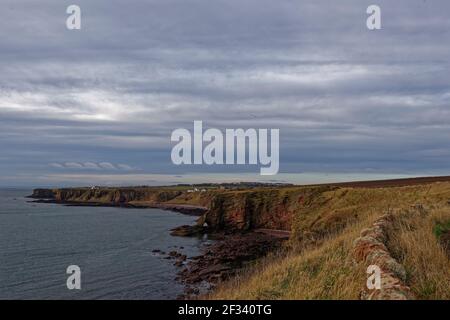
[{"x": 113, "y": 248}]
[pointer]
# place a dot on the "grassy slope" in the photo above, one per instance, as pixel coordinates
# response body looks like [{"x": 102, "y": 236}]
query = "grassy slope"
[{"x": 318, "y": 265}]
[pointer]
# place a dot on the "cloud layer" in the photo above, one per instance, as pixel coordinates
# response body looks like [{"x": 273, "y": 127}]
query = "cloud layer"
[
  {"x": 346, "y": 99},
  {"x": 91, "y": 166}
]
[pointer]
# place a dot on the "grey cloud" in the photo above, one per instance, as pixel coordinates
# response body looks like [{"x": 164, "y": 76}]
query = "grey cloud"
[
  {"x": 124, "y": 167},
  {"x": 345, "y": 99},
  {"x": 91, "y": 165},
  {"x": 56, "y": 165},
  {"x": 107, "y": 165},
  {"x": 73, "y": 165}
]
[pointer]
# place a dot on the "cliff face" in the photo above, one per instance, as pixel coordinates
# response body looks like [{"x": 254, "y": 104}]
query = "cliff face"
[
  {"x": 43, "y": 194},
  {"x": 248, "y": 210},
  {"x": 114, "y": 196},
  {"x": 232, "y": 210},
  {"x": 259, "y": 209},
  {"x": 140, "y": 197},
  {"x": 292, "y": 208}
]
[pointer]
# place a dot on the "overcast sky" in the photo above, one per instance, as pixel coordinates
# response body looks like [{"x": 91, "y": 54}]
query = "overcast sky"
[{"x": 98, "y": 105}]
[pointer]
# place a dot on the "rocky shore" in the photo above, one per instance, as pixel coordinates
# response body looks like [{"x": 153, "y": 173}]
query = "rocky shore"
[{"x": 221, "y": 259}]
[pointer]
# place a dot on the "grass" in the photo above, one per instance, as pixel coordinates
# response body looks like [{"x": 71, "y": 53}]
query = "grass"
[
  {"x": 415, "y": 243},
  {"x": 440, "y": 228},
  {"x": 318, "y": 273},
  {"x": 317, "y": 263}
]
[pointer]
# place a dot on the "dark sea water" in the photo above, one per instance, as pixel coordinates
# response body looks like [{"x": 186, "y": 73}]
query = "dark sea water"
[{"x": 112, "y": 246}]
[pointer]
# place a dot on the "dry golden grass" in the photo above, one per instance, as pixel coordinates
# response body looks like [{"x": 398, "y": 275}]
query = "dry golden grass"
[
  {"x": 415, "y": 245},
  {"x": 321, "y": 273},
  {"x": 318, "y": 263}
]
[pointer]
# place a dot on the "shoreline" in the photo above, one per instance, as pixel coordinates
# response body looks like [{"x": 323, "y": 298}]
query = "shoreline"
[
  {"x": 180, "y": 208},
  {"x": 221, "y": 260},
  {"x": 217, "y": 262}
]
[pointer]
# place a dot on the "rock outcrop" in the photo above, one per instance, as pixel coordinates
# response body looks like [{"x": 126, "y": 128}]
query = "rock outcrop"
[
  {"x": 221, "y": 260},
  {"x": 248, "y": 210},
  {"x": 115, "y": 195},
  {"x": 43, "y": 194}
]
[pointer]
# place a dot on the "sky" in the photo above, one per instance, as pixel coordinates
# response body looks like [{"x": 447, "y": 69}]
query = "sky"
[{"x": 98, "y": 105}]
